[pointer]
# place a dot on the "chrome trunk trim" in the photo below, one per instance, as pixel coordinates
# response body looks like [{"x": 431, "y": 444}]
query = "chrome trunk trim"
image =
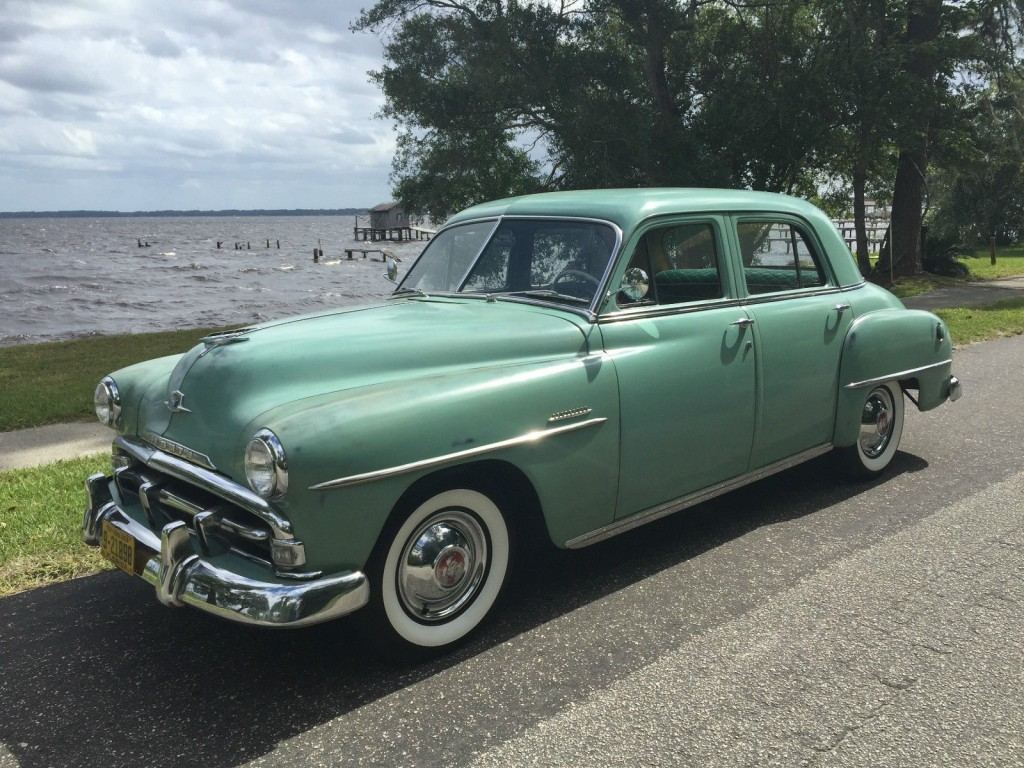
[
  {"x": 896, "y": 376},
  {"x": 437, "y": 461},
  {"x": 683, "y": 502}
]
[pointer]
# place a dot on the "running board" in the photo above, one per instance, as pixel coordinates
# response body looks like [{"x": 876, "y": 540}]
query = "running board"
[{"x": 676, "y": 505}]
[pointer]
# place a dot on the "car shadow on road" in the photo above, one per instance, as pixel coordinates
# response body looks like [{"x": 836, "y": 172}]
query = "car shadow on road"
[{"x": 96, "y": 672}]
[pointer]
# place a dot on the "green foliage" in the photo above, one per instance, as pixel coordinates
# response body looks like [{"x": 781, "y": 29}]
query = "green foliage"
[
  {"x": 499, "y": 97},
  {"x": 980, "y": 192}
]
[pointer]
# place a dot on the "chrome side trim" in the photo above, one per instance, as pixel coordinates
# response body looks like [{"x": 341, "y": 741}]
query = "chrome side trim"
[
  {"x": 660, "y": 310},
  {"x": 897, "y": 375},
  {"x": 214, "y": 483},
  {"x": 437, "y": 461},
  {"x": 706, "y": 494},
  {"x": 796, "y": 293}
]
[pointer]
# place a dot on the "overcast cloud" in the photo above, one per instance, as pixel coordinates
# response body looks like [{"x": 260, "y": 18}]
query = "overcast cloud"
[{"x": 140, "y": 105}]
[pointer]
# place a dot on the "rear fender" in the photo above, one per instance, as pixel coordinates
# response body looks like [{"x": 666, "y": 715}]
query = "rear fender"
[{"x": 905, "y": 345}]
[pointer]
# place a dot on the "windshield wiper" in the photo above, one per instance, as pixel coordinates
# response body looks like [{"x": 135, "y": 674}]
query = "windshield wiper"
[{"x": 545, "y": 293}]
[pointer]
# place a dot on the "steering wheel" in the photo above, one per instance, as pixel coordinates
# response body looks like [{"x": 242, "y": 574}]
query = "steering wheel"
[{"x": 577, "y": 273}]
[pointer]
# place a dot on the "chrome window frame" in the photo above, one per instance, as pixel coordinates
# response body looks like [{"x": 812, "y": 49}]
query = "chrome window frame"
[
  {"x": 589, "y": 313},
  {"x": 725, "y": 276},
  {"x": 472, "y": 263},
  {"x": 810, "y": 237}
]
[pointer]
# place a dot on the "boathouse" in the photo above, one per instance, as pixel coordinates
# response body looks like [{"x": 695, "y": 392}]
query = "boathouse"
[
  {"x": 389, "y": 216},
  {"x": 389, "y": 221}
]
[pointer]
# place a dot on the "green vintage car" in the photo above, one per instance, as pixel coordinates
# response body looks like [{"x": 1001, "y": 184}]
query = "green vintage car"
[{"x": 571, "y": 364}]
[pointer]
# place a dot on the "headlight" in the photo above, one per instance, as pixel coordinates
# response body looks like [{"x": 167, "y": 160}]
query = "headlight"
[
  {"x": 107, "y": 400},
  {"x": 266, "y": 467}
]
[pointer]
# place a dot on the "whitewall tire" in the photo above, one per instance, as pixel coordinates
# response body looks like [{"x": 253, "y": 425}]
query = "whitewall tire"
[
  {"x": 881, "y": 427},
  {"x": 440, "y": 570}
]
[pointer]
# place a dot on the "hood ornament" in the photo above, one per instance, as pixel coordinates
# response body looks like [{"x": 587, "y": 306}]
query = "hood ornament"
[
  {"x": 224, "y": 338},
  {"x": 174, "y": 402}
]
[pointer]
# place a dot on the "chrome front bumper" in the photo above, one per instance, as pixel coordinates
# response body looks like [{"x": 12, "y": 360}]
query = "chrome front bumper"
[{"x": 180, "y": 576}]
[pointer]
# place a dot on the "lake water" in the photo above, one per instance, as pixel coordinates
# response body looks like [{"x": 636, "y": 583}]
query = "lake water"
[{"x": 67, "y": 277}]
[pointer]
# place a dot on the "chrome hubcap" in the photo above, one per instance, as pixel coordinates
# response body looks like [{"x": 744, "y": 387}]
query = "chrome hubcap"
[
  {"x": 876, "y": 423},
  {"x": 442, "y": 566}
]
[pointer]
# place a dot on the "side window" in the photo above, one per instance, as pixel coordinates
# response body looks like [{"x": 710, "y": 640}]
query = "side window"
[
  {"x": 682, "y": 262},
  {"x": 777, "y": 257}
]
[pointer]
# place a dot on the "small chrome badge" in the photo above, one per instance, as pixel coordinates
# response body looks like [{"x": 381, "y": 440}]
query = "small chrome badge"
[
  {"x": 572, "y": 413},
  {"x": 177, "y": 449},
  {"x": 174, "y": 403}
]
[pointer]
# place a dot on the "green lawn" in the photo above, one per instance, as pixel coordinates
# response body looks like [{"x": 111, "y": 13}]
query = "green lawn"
[
  {"x": 918, "y": 284},
  {"x": 40, "y": 524},
  {"x": 1009, "y": 262},
  {"x": 53, "y": 383},
  {"x": 967, "y": 324}
]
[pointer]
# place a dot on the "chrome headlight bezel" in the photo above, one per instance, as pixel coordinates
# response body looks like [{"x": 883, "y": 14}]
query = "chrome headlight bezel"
[
  {"x": 106, "y": 399},
  {"x": 266, "y": 465}
]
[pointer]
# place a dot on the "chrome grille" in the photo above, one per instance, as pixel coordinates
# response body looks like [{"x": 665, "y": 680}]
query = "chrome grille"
[{"x": 218, "y": 524}]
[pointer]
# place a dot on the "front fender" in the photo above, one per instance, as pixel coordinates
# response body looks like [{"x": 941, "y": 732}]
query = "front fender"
[
  {"x": 906, "y": 345},
  {"x": 386, "y": 426}
]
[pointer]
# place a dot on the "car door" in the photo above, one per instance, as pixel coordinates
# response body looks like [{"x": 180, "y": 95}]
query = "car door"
[
  {"x": 683, "y": 353},
  {"x": 800, "y": 322}
]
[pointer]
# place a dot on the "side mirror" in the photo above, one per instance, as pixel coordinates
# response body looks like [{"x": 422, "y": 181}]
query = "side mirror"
[
  {"x": 392, "y": 267},
  {"x": 635, "y": 284}
]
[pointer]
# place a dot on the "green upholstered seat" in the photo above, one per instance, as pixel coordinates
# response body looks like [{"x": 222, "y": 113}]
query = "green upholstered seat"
[{"x": 675, "y": 286}]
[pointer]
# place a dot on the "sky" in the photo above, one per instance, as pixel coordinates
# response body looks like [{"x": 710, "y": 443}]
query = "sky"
[{"x": 189, "y": 104}]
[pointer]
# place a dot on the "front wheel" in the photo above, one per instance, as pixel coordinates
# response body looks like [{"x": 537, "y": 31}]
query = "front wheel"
[
  {"x": 438, "y": 570},
  {"x": 881, "y": 426}
]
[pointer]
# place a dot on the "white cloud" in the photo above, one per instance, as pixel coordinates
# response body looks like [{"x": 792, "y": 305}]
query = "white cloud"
[{"x": 129, "y": 104}]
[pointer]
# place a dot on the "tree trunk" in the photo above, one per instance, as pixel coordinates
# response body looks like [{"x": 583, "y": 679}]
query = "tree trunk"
[
  {"x": 907, "y": 199},
  {"x": 923, "y": 25},
  {"x": 859, "y": 180},
  {"x": 649, "y": 22}
]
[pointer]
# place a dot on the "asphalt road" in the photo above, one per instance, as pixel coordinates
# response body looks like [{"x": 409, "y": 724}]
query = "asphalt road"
[{"x": 799, "y": 621}]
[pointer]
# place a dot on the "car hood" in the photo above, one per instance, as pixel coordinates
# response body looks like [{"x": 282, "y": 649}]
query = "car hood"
[{"x": 225, "y": 387}]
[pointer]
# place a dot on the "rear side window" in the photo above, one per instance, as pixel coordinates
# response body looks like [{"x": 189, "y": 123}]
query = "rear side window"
[
  {"x": 682, "y": 262},
  {"x": 777, "y": 256}
]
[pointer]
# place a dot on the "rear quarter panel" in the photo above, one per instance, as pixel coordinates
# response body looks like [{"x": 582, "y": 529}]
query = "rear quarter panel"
[{"x": 890, "y": 342}]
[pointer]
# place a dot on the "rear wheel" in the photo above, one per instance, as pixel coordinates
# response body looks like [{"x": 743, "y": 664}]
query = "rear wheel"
[
  {"x": 438, "y": 570},
  {"x": 881, "y": 426}
]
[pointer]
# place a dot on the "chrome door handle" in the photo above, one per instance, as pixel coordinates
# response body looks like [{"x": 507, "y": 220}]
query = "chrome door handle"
[
  {"x": 743, "y": 322},
  {"x": 840, "y": 308}
]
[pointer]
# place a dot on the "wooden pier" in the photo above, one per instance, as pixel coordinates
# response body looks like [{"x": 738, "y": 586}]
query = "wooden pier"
[
  {"x": 364, "y": 251},
  {"x": 399, "y": 234}
]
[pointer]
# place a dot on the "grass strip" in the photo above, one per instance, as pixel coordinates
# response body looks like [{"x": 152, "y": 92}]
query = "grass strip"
[
  {"x": 40, "y": 524},
  {"x": 905, "y": 287},
  {"x": 53, "y": 383},
  {"x": 968, "y": 324},
  {"x": 1009, "y": 262}
]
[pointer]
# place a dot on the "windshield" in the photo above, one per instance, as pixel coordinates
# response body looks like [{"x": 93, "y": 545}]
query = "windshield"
[{"x": 552, "y": 259}]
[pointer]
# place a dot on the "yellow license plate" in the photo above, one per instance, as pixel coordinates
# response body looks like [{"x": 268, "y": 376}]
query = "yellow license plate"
[{"x": 118, "y": 547}]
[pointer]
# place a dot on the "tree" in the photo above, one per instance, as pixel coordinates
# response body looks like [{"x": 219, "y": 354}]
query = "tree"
[
  {"x": 500, "y": 97},
  {"x": 979, "y": 193},
  {"x": 495, "y": 97},
  {"x": 951, "y": 50}
]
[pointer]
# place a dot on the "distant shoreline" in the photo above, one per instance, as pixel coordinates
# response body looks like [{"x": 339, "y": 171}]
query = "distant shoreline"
[{"x": 182, "y": 214}]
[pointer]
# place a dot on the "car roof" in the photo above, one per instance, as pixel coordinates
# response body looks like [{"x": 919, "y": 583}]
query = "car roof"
[{"x": 628, "y": 207}]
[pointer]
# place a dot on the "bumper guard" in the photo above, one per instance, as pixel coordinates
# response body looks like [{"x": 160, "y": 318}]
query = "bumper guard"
[{"x": 181, "y": 577}]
